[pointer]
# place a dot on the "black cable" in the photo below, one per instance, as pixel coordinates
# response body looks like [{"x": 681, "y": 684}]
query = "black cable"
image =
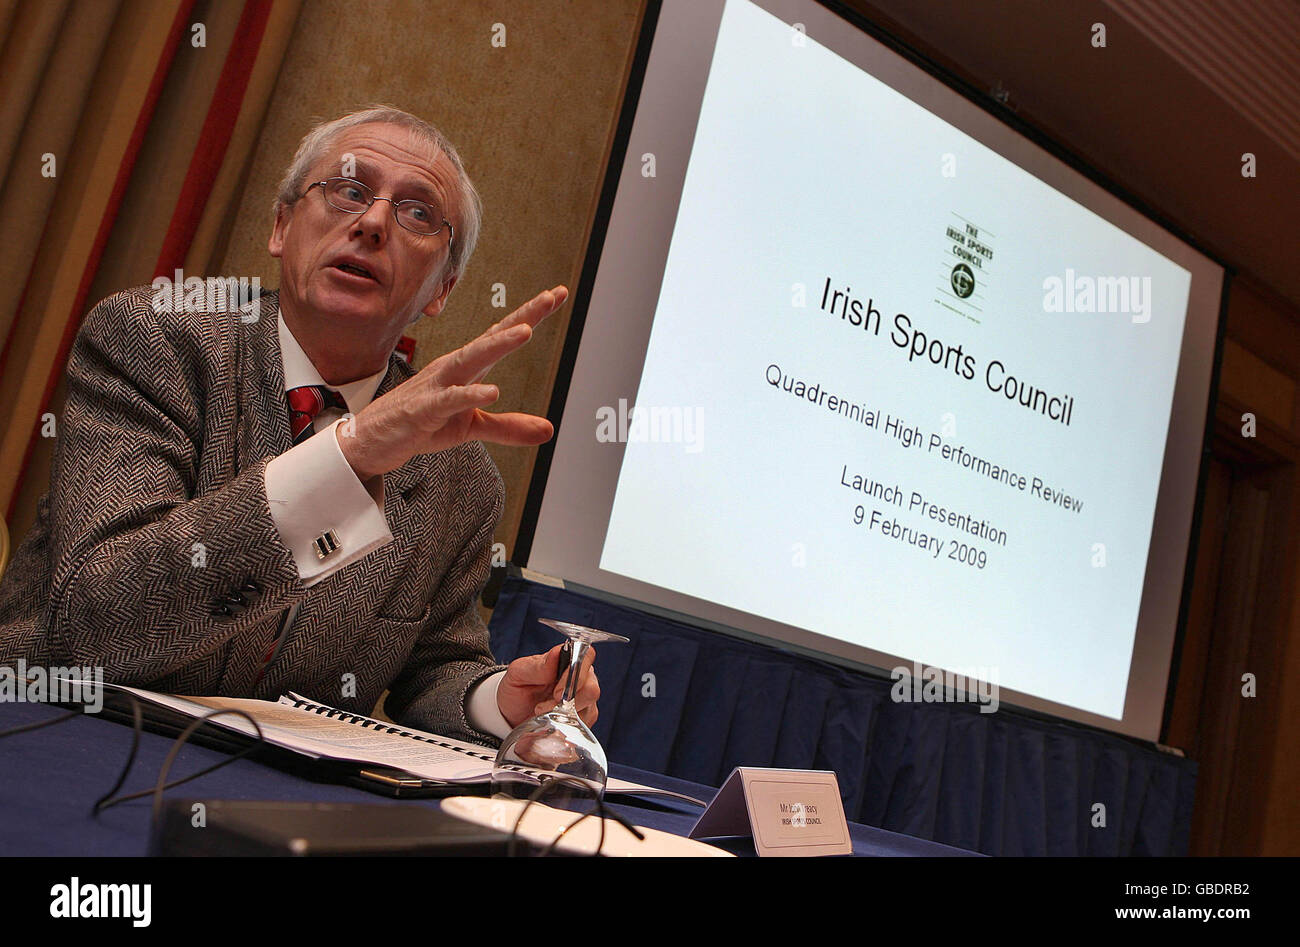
[
  {"x": 534, "y": 796},
  {"x": 543, "y": 787},
  {"x": 600, "y": 844},
  {"x": 554, "y": 782},
  {"x": 107, "y": 801},
  {"x": 180, "y": 741},
  {"x": 621, "y": 820},
  {"x": 43, "y": 723},
  {"x": 64, "y": 679},
  {"x": 135, "y": 739},
  {"x": 137, "y": 725},
  {"x": 605, "y": 813}
]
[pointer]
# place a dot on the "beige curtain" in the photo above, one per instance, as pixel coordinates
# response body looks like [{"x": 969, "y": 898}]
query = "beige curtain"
[{"x": 105, "y": 105}]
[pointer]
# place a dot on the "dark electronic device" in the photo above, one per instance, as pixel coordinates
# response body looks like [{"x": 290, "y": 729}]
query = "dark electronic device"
[{"x": 230, "y": 827}]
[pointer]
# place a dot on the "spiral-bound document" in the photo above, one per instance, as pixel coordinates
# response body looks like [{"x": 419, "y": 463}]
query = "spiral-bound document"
[{"x": 322, "y": 732}]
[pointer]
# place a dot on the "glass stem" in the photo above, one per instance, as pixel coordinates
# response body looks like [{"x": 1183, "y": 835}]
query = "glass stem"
[{"x": 577, "y": 653}]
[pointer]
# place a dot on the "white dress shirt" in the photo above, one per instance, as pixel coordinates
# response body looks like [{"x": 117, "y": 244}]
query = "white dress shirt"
[{"x": 312, "y": 488}]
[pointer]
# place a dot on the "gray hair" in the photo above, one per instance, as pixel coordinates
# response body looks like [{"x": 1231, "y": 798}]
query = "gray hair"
[{"x": 317, "y": 141}]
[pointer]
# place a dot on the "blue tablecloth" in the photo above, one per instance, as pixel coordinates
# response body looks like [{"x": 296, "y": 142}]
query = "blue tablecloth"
[
  {"x": 50, "y": 778},
  {"x": 695, "y": 703}
]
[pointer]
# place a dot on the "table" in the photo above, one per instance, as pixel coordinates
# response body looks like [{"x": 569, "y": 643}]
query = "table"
[{"x": 50, "y": 778}]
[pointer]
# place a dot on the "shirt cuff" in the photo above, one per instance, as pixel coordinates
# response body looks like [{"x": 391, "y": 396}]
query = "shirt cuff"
[
  {"x": 315, "y": 495},
  {"x": 481, "y": 708}
]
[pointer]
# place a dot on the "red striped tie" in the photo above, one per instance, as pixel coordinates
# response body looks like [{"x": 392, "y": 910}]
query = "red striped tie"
[{"x": 305, "y": 403}]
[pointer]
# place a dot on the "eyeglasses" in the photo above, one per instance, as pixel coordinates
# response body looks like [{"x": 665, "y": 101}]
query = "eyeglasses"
[{"x": 353, "y": 197}]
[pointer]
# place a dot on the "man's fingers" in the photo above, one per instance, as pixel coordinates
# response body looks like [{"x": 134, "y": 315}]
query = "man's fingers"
[
  {"x": 473, "y": 360},
  {"x": 511, "y": 428},
  {"x": 530, "y": 313},
  {"x": 587, "y": 689},
  {"x": 449, "y": 402},
  {"x": 586, "y": 694},
  {"x": 469, "y": 363},
  {"x": 533, "y": 311},
  {"x": 441, "y": 406},
  {"x": 536, "y": 669},
  {"x": 540, "y": 673},
  {"x": 586, "y": 699}
]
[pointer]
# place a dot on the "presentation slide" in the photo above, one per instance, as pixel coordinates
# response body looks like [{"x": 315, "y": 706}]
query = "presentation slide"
[{"x": 898, "y": 391}]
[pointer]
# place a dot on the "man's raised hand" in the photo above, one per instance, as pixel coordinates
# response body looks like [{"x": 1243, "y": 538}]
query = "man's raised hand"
[{"x": 442, "y": 406}]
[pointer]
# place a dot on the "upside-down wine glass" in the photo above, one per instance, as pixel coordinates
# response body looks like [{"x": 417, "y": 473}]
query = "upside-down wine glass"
[{"x": 556, "y": 744}]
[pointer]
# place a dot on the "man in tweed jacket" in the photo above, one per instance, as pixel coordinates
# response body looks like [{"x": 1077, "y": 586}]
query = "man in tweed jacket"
[{"x": 175, "y": 548}]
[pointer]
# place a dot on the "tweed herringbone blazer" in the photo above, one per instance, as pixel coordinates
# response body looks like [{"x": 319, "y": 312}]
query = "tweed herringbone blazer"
[{"x": 155, "y": 556}]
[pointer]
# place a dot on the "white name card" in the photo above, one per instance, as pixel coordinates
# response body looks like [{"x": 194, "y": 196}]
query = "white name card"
[{"x": 787, "y": 811}]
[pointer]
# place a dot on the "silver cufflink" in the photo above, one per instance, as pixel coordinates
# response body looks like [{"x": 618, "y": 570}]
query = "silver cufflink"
[{"x": 326, "y": 543}]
